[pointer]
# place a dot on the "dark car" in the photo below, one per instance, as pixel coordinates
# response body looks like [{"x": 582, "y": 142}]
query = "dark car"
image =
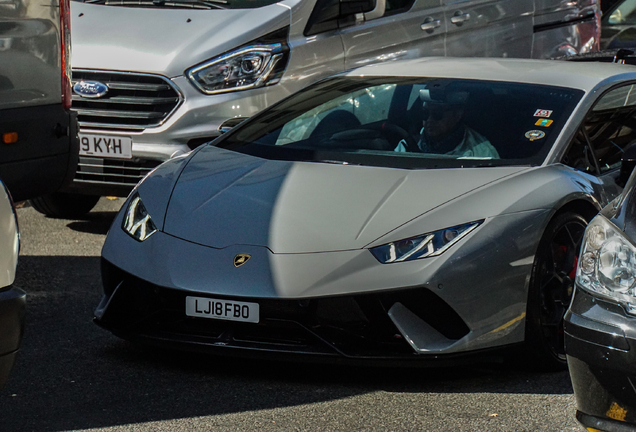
[{"x": 600, "y": 325}]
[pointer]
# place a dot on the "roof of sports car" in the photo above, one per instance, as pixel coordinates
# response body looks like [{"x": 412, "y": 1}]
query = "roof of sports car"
[{"x": 548, "y": 72}]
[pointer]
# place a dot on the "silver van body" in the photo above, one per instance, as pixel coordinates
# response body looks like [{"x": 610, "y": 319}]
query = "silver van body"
[{"x": 153, "y": 60}]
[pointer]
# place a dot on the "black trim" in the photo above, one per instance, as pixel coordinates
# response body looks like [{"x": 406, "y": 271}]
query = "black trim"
[
  {"x": 12, "y": 315},
  {"x": 554, "y": 25},
  {"x": 489, "y": 355},
  {"x": 604, "y": 425}
]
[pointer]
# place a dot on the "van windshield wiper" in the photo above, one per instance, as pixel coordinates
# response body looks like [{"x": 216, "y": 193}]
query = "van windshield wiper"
[{"x": 185, "y": 4}]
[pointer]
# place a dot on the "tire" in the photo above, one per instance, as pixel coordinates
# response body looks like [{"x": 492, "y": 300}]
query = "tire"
[
  {"x": 64, "y": 205},
  {"x": 550, "y": 291}
]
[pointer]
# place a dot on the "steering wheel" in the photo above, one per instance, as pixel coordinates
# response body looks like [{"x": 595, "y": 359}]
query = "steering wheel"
[{"x": 395, "y": 133}]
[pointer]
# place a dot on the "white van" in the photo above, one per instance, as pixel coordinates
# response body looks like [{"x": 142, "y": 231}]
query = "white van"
[{"x": 156, "y": 78}]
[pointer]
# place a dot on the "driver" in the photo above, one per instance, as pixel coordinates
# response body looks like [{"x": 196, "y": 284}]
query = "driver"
[{"x": 445, "y": 133}]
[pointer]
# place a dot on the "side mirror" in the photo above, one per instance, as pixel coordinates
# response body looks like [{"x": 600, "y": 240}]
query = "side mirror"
[
  {"x": 229, "y": 124},
  {"x": 628, "y": 162}
]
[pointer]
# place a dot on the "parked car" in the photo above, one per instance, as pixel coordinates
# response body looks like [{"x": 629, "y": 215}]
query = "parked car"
[
  {"x": 39, "y": 144},
  {"x": 176, "y": 74},
  {"x": 412, "y": 211},
  {"x": 600, "y": 325},
  {"x": 12, "y": 298}
]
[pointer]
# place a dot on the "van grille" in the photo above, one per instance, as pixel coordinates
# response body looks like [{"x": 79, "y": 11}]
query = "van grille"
[
  {"x": 133, "y": 101},
  {"x": 112, "y": 171}
]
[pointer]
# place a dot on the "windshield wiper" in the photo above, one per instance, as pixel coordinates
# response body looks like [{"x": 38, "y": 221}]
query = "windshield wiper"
[{"x": 189, "y": 4}]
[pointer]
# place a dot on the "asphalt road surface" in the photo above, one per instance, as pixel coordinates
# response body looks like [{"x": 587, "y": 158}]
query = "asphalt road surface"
[{"x": 71, "y": 375}]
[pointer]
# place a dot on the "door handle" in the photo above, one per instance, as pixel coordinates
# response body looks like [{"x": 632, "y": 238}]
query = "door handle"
[
  {"x": 459, "y": 18},
  {"x": 430, "y": 24}
]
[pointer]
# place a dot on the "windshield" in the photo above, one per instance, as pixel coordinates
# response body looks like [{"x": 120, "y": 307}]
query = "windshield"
[
  {"x": 410, "y": 123},
  {"x": 185, "y": 4}
]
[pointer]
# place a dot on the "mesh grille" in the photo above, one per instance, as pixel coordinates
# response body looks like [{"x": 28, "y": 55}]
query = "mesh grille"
[{"x": 133, "y": 101}]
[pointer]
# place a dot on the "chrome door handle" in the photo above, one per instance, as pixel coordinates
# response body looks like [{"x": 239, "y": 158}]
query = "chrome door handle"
[
  {"x": 459, "y": 18},
  {"x": 430, "y": 24}
]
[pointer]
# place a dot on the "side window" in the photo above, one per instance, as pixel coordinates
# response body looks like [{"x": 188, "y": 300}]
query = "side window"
[
  {"x": 625, "y": 14},
  {"x": 609, "y": 128},
  {"x": 397, "y": 6},
  {"x": 579, "y": 155}
]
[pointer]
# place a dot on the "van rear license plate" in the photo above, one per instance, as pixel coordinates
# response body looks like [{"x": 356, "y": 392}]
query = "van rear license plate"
[
  {"x": 104, "y": 146},
  {"x": 222, "y": 309}
]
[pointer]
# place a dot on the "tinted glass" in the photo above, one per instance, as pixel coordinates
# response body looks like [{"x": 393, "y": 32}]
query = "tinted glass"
[
  {"x": 410, "y": 123},
  {"x": 611, "y": 126}
]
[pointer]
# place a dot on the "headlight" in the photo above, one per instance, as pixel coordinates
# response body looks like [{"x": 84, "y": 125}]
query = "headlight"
[
  {"x": 607, "y": 266},
  {"x": 137, "y": 222},
  {"x": 426, "y": 245},
  {"x": 245, "y": 68}
]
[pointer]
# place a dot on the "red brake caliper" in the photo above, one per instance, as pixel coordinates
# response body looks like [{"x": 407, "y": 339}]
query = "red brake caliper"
[{"x": 572, "y": 274}]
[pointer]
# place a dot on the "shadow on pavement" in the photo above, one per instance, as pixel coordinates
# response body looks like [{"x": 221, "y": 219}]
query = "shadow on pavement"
[
  {"x": 73, "y": 375},
  {"x": 94, "y": 223}
]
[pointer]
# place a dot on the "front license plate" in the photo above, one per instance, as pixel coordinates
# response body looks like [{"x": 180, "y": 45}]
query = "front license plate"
[
  {"x": 222, "y": 309},
  {"x": 105, "y": 146}
]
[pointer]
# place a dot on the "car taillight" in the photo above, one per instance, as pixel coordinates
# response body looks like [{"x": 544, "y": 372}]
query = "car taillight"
[{"x": 65, "y": 30}]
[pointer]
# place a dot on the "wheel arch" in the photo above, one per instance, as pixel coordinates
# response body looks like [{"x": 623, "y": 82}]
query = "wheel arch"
[{"x": 586, "y": 207}]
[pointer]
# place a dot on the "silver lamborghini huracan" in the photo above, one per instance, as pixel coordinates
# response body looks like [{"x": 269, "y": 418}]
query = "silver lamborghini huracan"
[{"x": 415, "y": 210}]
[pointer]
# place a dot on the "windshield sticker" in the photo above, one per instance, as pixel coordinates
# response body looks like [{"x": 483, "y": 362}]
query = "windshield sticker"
[
  {"x": 542, "y": 113},
  {"x": 534, "y": 135},
  {"x": 544, "y": 122}
]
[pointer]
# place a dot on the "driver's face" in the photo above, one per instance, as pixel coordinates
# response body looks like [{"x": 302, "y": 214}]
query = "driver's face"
[{"x": 440, "y": 120}]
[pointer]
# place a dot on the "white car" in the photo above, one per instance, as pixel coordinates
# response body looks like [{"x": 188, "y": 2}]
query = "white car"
[{"x": 12, "y": 299}]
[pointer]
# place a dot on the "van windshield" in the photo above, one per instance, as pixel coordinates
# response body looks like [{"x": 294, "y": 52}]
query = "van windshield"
[
  {"x": 410, "y": 123},
  {"x": 185, "y": 4}
]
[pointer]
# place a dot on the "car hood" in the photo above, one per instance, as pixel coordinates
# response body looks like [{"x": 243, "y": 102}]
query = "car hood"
[
  {"x": 166, "y": 41},
  {"x": 224, "y": 198}
]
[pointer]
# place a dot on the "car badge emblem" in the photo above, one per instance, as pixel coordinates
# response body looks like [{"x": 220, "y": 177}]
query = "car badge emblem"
[
  {"x": 90, "y": 89},
  {"x": 241, "y": 259}
]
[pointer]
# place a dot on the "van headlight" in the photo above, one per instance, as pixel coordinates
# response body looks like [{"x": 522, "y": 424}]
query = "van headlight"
[
  {"x": 241, "y": 69},
  {"x": 607, "y": 266},
  {"x": 137, "y": 222},
  {"x": 423, "y": 246}
]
